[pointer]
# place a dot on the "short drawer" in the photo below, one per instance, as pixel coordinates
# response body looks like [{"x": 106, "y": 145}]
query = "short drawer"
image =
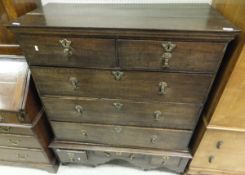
[
  {"x": 22, "y": 155},
  {"x": 19, "y": 141},
  {"x": 170, "y": 55},
  {"x": 131, "y": 85},
  {"x": 13, "y": 117},
  {"x": 122, "y": 135},
  {"x": 122, "y": 112},
  {"x": 69, "y": 51},
  {"x": 15, "y": 130},
  {"x": 146, "y": 162},
  {"x": 221, "y": 150}
]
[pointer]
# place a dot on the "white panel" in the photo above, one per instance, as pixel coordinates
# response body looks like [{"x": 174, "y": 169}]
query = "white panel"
[{"x": 126, "y": 1}]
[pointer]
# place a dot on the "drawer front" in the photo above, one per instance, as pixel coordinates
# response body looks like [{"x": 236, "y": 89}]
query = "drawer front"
[
  {"x": 165, "y": 55},
  {"x": 13, "y": 117},
  {"x": 122, "y": 135},
  {"x": 23, "y": 155},
  {"x": 221, "y": 150},
  {"x": 18, "y": 141},
  {"x": 122, "y": 112},
  {"x": 143, "y": 86},
  {"x": 147, "y": 162},
  {"x": 15, "y": 130},
  {"x": 66, "y": 51}
]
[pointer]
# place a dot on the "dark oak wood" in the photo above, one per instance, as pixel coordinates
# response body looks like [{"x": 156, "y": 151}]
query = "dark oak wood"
[
  {"x": 122, "y": 16},
  {"x": 187, "y": 56},
  {"x": 86, "y": 52},
  {"x": 104, "y": 111},
  {"x": 146, "y": 162},
  {"x": 113, "y": 55},
  {"x": 122, "y": 135},
  {"x": 141, "y": 86}
]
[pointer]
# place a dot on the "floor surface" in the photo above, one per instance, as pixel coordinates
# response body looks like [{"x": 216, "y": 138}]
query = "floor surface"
[{"x": 71, "y": 170}]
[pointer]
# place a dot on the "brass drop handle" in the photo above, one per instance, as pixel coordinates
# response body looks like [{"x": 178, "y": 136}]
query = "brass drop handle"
[
  {"x": 162, "y": 87},
  {"x": 168, "y": 46},
  {"x": 66, "y": 44},
  {"x": 21, "y": 116},
  {"x": 84, "y": 133},
  {"x": 154, "y": 139},
  {"x": 14, "y": 142},
  {"x": 165, "y": 159},
  {"x": 165, "y": 59},
  {"x": 79, "y": 109},
  {"x": 131, "y": 156},
  {"x": 74, "y": 82},
  {"x": 22, "y": 156},
  {"x": 157, "y": 115},
  {"x": 118, "y": 129},
  {"x": 117, "y": 75},
  {"x": 2, "y": 119},
  {"x": 118, "y": 106},
  {"x": 4, "y": 129},
  {"x": 219, "y": 144},
  {"x": 210, "y": 159}
]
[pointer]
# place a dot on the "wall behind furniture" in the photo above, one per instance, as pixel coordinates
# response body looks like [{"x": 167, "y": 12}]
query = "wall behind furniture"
[{"x": 126, "y": 1}]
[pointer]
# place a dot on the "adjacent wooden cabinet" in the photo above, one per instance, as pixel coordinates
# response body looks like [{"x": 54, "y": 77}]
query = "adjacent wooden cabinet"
[
  {"x": 24, "y": 130},
  {"x": 132, "y": 79},
  {"x": 219, "y": 143}
]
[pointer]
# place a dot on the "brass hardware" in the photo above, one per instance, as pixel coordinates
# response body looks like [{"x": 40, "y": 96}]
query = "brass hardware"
[
  {"x": 165, "y": 159},
  {"x": 2, "y": 118},
  {"x": 131, "y": 156},
  {"x": 154, "y": 139},
  {"x": 162, "y": 87},
  {"x": 210, "y": 159},
  {"x": 118, "y": 129},
  {"x": 157, "y": 115},
  {"x": 117, "y": 74},
  {"x": 66, "y": 44},
  {"x": 79, "y": 109},
  {"x": 22, "y": 156},
  {"x": 84, "y": 133},
  {"x": 73, "y": 158},
  {"x": 21, "y": 116},
  {"x": 74, "y": 82},
  {"x": 219, "y": 144},
  {"x": 107, "y": 154},
  {"x": 168, "y": 46},
  {"x": 165, "y": 59},
  {"x": 118, "y": 106},
  {"x": 14, "y": 142},
  {"x": 4, "y": 129}
]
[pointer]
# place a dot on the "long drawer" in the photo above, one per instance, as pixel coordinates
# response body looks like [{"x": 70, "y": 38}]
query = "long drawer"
[
  {"x": 13, "y": 117},
  {"x": 69, "y": 51},
  {"x": 170, "y": 55},
  {"x": 23, "y": 155},
  {"x": 146, "y": 162},
  {"x": 143, "y": 86},
  {"x": 19, "y": 141},
  {"x": 122, "y": 135},
  {"x": 121, "y": 112}
]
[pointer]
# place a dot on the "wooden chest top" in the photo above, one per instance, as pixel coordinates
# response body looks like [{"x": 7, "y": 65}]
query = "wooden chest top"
[{"x": 150, "y": 17}]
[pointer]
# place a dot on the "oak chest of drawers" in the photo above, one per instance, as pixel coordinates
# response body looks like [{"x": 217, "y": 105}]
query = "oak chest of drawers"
[
  {"x": 124, "y": 82},
  {"x": 24, "y": 130}
]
